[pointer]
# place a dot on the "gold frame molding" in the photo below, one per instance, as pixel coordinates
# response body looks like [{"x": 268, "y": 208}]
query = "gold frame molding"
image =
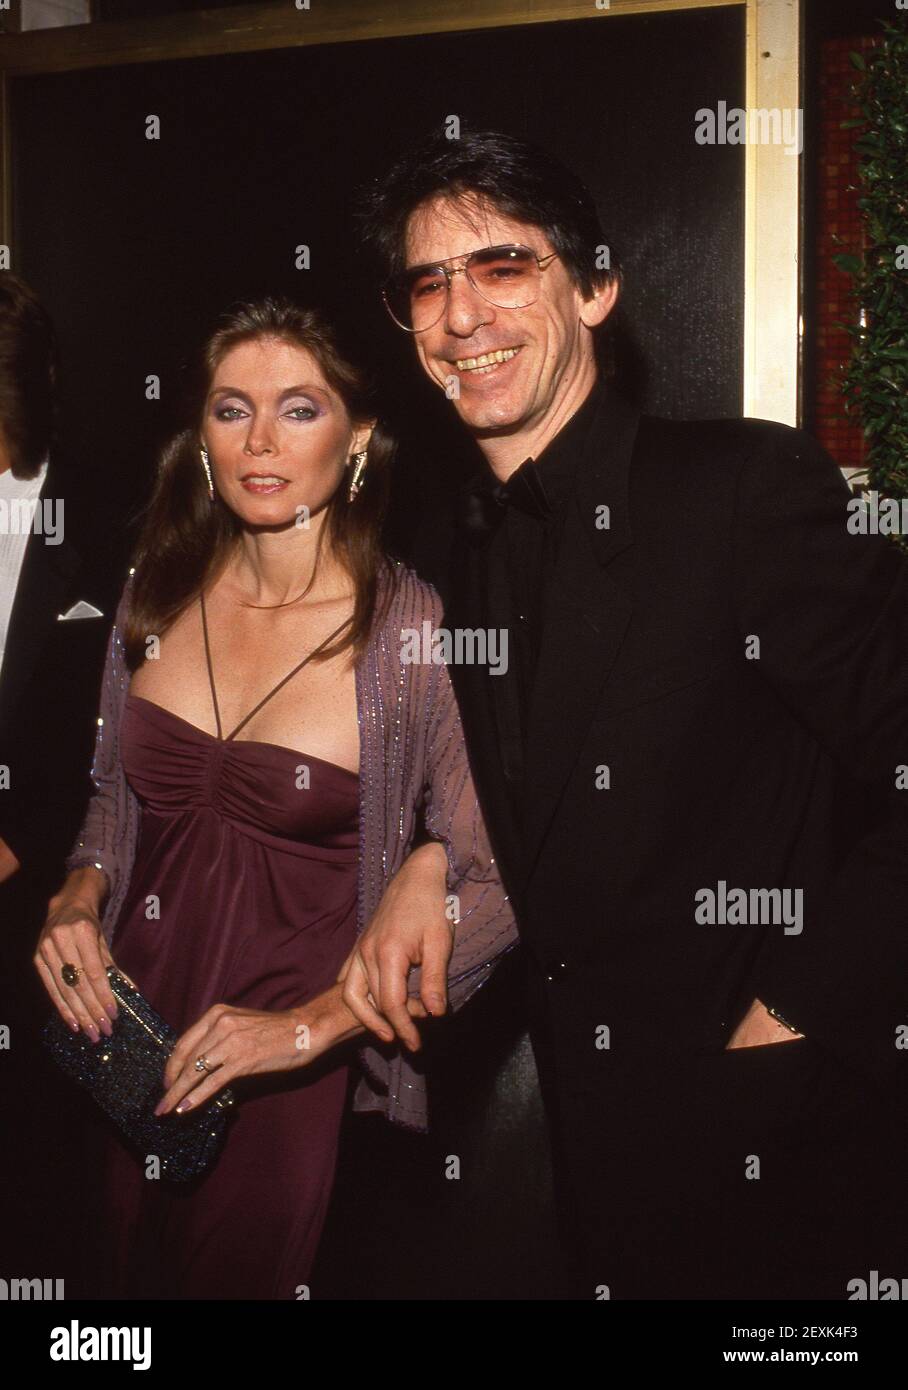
[{"x": 770, "y": 359}]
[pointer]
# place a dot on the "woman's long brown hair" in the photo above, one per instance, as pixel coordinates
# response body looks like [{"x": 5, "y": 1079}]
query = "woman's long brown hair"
[{"x": 186, "y": 538}]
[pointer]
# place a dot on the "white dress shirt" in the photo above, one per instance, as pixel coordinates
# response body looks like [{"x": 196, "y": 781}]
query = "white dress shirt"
[{"x": 13, "y": 539}]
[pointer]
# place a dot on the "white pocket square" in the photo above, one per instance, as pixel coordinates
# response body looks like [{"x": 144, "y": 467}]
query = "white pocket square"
[{"x": 80, "y": 610}]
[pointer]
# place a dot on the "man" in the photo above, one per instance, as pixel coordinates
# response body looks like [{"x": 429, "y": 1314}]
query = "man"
[
  {"x": 56, "y": 600},
  {"x": 52, "y": 636},
  {"x": 690, "y": 770}
]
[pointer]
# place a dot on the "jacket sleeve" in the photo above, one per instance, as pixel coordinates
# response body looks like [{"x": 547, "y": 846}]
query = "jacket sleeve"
[
  {"x": 830, "y": 609},
  {"x": 103, "y": 839},
  {"x": 485, "y": 927}
]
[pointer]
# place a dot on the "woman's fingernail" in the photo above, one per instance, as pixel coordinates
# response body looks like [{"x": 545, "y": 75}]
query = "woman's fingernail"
[
  {"x": 183, "y": 1105},
  {"x": 93, "y": 1034},
  {"x": 104, "y": 1025},
  {"x": 74, "y": 1024},
  {"x": 112, "y": 1011}
]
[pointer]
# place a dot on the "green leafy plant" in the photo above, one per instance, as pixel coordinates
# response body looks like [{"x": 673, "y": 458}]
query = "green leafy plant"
[{"x": 875, "y": 381}]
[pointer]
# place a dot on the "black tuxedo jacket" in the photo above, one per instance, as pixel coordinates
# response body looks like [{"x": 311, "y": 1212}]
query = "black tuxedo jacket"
[
  {"x": 721, "y": 698},
  {"x": 49, "y": 696},
  {"x": 50, "y": 682}
]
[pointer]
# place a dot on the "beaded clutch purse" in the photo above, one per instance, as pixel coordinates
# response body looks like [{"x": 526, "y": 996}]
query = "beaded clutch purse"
[{"x": 125, "y": 1074}]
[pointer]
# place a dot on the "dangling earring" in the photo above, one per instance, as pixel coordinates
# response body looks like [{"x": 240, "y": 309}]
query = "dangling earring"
[
  {"x": 207, "y": 467},
  {"x": 359, "y": 468}
]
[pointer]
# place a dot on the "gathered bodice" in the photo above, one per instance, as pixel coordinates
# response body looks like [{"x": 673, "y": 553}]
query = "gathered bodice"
[{"x": 261, "y": 788}]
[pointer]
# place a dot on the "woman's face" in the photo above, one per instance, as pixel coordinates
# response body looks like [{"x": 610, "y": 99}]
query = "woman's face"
[{"x": 278, "y": 436}]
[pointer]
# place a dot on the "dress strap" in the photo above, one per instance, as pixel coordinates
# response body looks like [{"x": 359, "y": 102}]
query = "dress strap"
[
  {"x": 280, "y": 685},
  {"x": 214, "y": 693}
]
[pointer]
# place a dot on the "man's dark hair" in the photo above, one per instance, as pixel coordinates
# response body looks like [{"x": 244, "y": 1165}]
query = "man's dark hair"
[
  {"x": 28, "y": 374},
  {"x": 516, "y": 178}
]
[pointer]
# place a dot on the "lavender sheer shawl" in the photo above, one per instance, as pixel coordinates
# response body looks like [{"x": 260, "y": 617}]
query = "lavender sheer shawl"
[{"x": 412, "y": 753}]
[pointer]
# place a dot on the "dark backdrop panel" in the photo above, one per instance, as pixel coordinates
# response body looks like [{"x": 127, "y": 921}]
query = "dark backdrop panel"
[{"x": 135, "y": 243}]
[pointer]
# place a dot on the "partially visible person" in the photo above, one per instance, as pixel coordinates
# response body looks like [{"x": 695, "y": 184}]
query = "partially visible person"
[
  {"x": 265, "y": 743},
  {"x": 57, "y": 591},
  {"x": 51, "y": 633},
  {"x": 708, "y": 694}
]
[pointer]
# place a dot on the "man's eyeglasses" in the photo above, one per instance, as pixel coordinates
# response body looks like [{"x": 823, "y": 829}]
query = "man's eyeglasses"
[{"x": 507, "y": 276}]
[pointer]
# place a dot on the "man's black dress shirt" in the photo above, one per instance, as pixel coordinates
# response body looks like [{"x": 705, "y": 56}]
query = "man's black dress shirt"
[{"x": 524, "y": 519}]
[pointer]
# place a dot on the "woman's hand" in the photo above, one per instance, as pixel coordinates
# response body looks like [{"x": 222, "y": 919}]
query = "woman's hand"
[
  {"x": 72, "y": 935},
  {"x": 246, "y": 1042}
]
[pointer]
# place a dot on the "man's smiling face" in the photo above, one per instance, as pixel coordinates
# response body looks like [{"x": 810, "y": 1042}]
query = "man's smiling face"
[{"x": 512, "y": 365}]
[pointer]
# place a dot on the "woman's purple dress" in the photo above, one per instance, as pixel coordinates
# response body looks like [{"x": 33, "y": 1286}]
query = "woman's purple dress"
[{"x": 243, "y": 892}]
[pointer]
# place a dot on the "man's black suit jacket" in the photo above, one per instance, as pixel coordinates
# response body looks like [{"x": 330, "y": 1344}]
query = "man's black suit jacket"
[
  {"x": 49, "y": 696},
  {"x": 50, "y": 681},
  {"x": 721, "y": 697}
]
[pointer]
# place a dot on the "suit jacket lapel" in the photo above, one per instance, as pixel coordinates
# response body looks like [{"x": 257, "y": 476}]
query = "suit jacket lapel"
[
  {"x": 586, "y": 617},
  {"x": 468, "y": 608},
  {"x": 45, "y": 583}
]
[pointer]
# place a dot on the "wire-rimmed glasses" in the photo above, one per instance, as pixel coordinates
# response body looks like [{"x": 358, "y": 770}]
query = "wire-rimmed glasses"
[{"x": 506, "y": 276}]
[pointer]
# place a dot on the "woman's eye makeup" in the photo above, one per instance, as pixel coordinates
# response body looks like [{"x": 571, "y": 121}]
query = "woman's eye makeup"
[{"x": 299, "y": 410}]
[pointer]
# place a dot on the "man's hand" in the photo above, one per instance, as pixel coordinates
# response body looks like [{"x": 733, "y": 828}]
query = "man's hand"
[
  {"x": 409, "y": 928},
  {"x": 8, "y": 862},
  {"x": 758, "y": 1027}
]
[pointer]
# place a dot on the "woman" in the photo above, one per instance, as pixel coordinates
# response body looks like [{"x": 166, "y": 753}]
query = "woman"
[{"x": 263, "y": 747}]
